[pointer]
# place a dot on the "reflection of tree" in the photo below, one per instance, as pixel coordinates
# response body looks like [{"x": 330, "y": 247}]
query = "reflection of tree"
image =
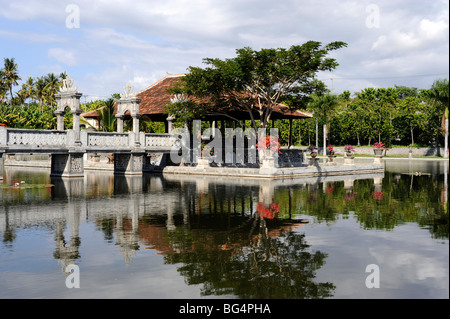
[
  {"x": 249, "y": 263},
  {"x": 403, "y": 198}
]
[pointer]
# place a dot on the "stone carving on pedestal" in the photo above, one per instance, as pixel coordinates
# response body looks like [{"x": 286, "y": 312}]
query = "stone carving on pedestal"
[
  {"x": 69, "y": 97},
  {"x": 129, "y": 102}
]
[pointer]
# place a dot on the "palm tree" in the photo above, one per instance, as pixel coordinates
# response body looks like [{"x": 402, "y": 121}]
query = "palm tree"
[
  {"x": 39, "y": 91},
  {"x": 52, "y": 84},
  {"x": 324, "y": 106},
  {"x": 3, "y": 87},
  {"x": 438, "y": 96},
  {"x": 28, "y": 86},
  {"x": 11, "y": 75},
  {"x": 106, "y": 116}
]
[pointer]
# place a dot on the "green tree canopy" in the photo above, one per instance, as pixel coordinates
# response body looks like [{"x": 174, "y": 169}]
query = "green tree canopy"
[{"x": 257, "y": 81}]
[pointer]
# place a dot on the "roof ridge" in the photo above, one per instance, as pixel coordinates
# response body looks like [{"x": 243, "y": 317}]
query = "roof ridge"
[{"x": 168, "y": 75}]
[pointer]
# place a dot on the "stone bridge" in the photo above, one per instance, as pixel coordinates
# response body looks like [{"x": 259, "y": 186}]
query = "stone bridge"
[
  {"x": 132, "y": 151},
  {"x": 68, "y": 148}
]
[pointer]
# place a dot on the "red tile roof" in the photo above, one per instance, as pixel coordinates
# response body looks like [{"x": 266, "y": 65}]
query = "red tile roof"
[{"x": 155, "y": 97}]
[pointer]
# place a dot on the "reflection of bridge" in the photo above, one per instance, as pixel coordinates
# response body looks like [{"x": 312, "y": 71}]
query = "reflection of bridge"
[
  {"x": 68, "y": 147},
  {"x": 127, "y": 199}
]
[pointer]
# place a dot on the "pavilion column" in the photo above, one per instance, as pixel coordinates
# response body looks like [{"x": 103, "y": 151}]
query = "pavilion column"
[
  {"x": 119, "y": 123},
  {"x": 170, "y": 127},
  {"x": 290, "y": 133},
  {"x": 136, "y": 129},
  {"x": 76, "y": 127},
  {"x": 59, "y": 120}
]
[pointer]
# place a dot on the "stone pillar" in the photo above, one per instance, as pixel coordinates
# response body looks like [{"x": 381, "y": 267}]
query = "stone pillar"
[
  {"x": 1, "y": 166},
  {"x": 67, "y": 164},
  {"x": 129, "y": 163},
  {"x": 170, "y": 120},
  {"x": 60, "y": 120},
  {"x": 119, "y": 123},
  {"x": 76, "y": 127},
  {"x": 136, "y": 117}
]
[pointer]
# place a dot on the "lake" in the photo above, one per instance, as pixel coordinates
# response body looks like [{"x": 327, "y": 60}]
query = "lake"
[{"x": 382, "y": 235}]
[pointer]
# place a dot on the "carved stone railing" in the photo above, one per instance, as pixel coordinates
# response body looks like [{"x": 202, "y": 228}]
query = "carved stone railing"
[
  {"x": 107, "y": 139},
  {"x": 33, "y": 138},
  {"x": 51, "y": 139},
  {"x": 160, "y": 140}
]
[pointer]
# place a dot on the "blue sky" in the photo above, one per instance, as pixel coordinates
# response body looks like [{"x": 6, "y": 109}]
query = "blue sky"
[{"x": 118, "y": 42}]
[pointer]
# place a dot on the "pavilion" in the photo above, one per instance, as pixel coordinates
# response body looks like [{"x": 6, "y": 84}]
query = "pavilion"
[{"x": 155, "y": 97}]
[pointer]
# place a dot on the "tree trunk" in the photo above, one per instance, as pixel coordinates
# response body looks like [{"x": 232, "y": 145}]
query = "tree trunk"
[
  {"x": 412, "y": 135},
  {"x": 317, "y": 131},
  {"x": 324, "y": 139},
  {"x": 446, "y": 139}
]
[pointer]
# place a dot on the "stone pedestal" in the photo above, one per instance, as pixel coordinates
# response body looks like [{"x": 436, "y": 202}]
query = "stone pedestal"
[
  {"x": 378, "y": 159},
  {"x": 332, "y": 160},
  {"x": 67, "y": 165},
  {"x": 269, "y": 166},
  {"x": 349, "y": 160},
  {"x": 129, "y": 163},
  {"x": 313, "y": 161},
  {"x": 202, "y": 163}
]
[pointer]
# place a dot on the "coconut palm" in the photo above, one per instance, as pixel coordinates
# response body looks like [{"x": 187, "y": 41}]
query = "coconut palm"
[
  {"x": 39, "y": 91},
  {"x": 3, "y": 87},
  {"x": 52, "y": 85},
  {"x": 10, "y": 75},
  {"x": 324, "y": 106},
  {"x": 106, "y": 116},
  {"x": 438, "y": 97}
]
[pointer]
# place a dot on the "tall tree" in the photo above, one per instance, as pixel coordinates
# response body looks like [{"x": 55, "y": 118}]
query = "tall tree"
[
  {"x": 257, "y": 81},
  {"x": 11, "y": 75},
  {"x": 39, "y": 88},
  {"x": 3, "y": 87},
  {"x": 324, "y": 106},
  {"x": 52, "y": 85},
  {"x": 438, "y": 97}
]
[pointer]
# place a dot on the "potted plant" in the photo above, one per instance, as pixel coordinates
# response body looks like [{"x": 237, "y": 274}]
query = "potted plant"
[
  {"x": 378, "y": 148},
  {"x": 312, "y": 151},
  {"x": 267, "y": 147},
  {"x": 349, "y": 149},
  {"x": 330, "y": 150}
]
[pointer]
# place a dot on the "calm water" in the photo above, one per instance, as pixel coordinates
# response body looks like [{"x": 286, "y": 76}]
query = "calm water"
[{"x": 192, "y": 237}]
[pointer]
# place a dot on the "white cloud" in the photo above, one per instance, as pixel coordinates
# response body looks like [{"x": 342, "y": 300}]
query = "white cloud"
[
  {"x": 67, "y": 57},
  {"x": 152, "y": 38}
]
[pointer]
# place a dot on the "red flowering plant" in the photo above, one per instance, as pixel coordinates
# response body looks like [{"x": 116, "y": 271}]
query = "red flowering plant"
[
  {"x": 379, "y": 145},
  {"x": 270, "y": 143},
  {"x": 330, "y": 150},
  {"x": 270, "y": 212},
  {"x": 349, "y": 148},
  {"x": 207, "y": 150},
  {"x": 377, "y": 195}
]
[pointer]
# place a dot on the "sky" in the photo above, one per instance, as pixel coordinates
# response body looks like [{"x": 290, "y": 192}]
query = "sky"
[{"x": 103, "y": 45}]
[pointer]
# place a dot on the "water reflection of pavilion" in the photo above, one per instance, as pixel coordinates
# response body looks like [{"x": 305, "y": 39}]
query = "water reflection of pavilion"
[{"x": 144, "y": 210}]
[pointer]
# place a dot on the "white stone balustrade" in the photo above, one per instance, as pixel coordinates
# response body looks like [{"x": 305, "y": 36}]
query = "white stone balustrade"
[
  {"x": 11, "y": 137},
  {"x": 105, "y": 139},
  {"x": 30, "y": 138},
  {"x": 160, "y": 140}
]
